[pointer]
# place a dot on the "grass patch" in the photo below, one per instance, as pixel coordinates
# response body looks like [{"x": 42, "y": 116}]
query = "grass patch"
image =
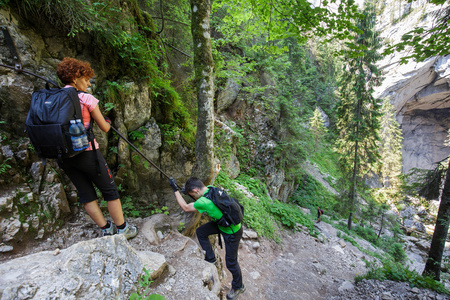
[
  {"x": 263, "y": 214},
  {"x": 398, "y": 272},
  {"x": 311, "y": 194},
  {"x": 390, "y": 245}
]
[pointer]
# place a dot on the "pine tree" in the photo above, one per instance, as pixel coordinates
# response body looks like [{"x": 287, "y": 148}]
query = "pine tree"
[
  {"x": 358, "y": 112},
  {"x": 317, "y": 124},
  {"x": 390, "y": 148}
]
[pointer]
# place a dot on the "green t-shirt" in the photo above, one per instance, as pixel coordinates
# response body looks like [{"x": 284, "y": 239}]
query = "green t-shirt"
[{"x": 203, "y": 204}]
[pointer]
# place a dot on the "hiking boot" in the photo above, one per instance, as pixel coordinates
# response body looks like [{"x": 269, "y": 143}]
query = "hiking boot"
[
  {"x": 233, "y": 294},
  {"x": 215, "y": 263},
  {"x": 130, "y": 231},
  {"x": 109, "y": 231}
]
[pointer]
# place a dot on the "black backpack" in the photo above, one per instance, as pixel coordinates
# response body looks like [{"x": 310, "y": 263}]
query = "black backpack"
[
  {"x": 48, "y": 122},
  {"x": 233, "y": 211}
]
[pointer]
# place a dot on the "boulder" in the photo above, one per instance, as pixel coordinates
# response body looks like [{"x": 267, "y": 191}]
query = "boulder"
[
  {"x": 227, "y": 96},
  {"x": 137, "y": 107},
  {"x": 191, "y": 276},
  {"x": 408, "y": 212},
  {"x": 156, "y": 224},
  {"x": 103, "y": 268},
  {"x": 249, "y": 234}
]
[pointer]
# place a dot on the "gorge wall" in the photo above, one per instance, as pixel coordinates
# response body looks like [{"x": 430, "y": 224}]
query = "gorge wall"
[
  {"x": 419, "y": 92},
  {"x": 35, "y": 198}
]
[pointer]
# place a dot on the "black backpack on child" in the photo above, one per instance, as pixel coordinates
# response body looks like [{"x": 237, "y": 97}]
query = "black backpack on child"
[
  {"x": 48, "y": 122},
  {"x": 233, "y": 211}
]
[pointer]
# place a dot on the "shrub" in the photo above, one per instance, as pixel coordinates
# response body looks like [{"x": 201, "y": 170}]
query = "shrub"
[
  {"x": 311, "y": 194},
  {"x": 397, "y": 252},
  {"x": 398, "y": 272}
]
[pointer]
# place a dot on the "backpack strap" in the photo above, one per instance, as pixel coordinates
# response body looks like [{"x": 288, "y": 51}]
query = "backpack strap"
[
  {"x": 90, "y": 133},
  {"x": 220, "y": 239},
  {"x": 76, "y": 102},
  {"x": 72, "y": 92}
]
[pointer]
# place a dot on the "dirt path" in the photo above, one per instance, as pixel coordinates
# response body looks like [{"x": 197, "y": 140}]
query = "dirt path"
[{"x": 301, "y": 267}]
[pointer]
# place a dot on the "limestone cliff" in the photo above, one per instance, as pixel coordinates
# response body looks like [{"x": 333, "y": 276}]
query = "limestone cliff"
[{"x": 420, "y": 92}]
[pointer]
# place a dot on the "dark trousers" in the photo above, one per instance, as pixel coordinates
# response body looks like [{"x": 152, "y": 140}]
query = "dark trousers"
[
  {"x": 231, "y": 249},
  {"x": 83, "y": 170}
]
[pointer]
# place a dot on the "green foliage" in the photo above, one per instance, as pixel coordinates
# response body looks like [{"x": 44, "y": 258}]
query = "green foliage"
[
  {"x": 358, "y": 112},
  {"x": 174, "y": 118},
  {"x": 390, "y": 144},
  {"x": 144, "y": 288},
  {"x": 425, "y": 183},
  {"x": 390, "y": 245},
  {"x": 2, "y": 134},
  {"x": 302, "y": 78},
  {"x": 137, "y": 134},
  {"x": 261, "y": 213},
  {"x": 398, "y": 272},
  {"x": 4, "y": 166},
  {"x": 290, "y": 215},
  {"x": 426, "y": 42},
  {"x": 317, "y": 124},
  {"x": 129, "y": 209},
  {"x": 127, "y": 46},
  {"x": 263, "y": 24},
  {"x": 4, "y": 3},
  {"x": 113, "y": 150},
  {"x": 181, "y": 227},
  {"x": 367, "y": 234},
  {"x": 174, "y": 29},
  {"x": 256, "y": 216},
  {"x": 162, "y": 210},
  {"x": 27, "y": 208},
  {"x": 397, "y": 252},
  {"x": 116, "y": 92},
  {"x": 225, "y": 144},
  {"x": 327, "y": 162},
  {"x": 311, "y": 194},
  {"x": 347, "y": 238},
  {"x": 132, "y": 210},
  {"x": 108, "y": 107}
]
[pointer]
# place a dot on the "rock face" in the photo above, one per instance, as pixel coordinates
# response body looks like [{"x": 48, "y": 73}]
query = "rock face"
[
  {"x": 234, "y": 104},
  {"x": 30, "y": 211},
  {"x": 420, "y": 92},
  {"x": 34, "y": 199},
  {"x": 103, "y": 268}
]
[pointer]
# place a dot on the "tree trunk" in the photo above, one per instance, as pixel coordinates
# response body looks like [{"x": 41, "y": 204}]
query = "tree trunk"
[
  {"x": 204, "y": 79},
  {"x": 349, "y": 221},
  {"x": 381, "y": 225},
  {"x": 355, "y": 161},
  {"x": 433, "y": 265}
]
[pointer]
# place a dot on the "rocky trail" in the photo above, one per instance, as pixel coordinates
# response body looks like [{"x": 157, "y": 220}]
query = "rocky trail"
[{"x": 301, "y": 267}]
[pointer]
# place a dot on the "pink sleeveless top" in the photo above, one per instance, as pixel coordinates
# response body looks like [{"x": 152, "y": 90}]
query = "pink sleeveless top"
[{"x": 88, "y": 104}]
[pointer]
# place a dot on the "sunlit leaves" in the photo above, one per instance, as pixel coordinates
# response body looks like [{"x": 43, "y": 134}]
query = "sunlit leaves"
[{"x": 278, "y": 20}]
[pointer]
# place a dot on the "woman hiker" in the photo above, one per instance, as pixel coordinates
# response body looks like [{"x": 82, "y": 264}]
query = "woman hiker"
[{"x": 89, "y": 167}]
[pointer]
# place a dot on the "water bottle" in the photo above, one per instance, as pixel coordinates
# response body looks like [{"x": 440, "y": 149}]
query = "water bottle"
[
  {"x": 77, "y": 141},
  {"x": 84, "y": 137}
]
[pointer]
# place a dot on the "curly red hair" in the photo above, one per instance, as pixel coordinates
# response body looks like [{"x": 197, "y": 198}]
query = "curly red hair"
[{"x": 70, "y": 69}]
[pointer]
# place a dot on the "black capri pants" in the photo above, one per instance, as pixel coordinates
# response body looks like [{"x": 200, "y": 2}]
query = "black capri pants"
[{"x": 83, "y": 170}]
